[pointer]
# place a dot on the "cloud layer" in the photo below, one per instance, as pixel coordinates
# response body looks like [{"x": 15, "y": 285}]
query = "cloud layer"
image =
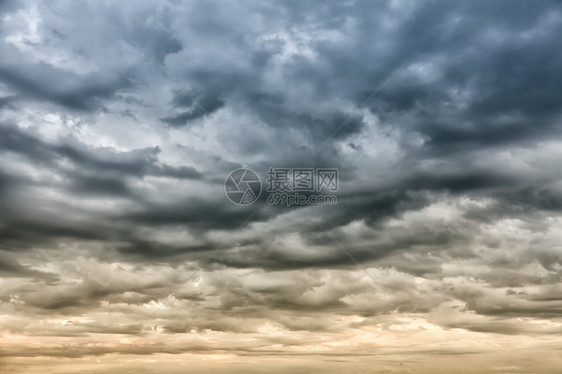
[{"x": 120, "y": 122}]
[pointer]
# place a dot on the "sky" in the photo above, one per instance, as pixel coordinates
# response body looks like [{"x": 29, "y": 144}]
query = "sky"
[{"x": 120, "y": 251}]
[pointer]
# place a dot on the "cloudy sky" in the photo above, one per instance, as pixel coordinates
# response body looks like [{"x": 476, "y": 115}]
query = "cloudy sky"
[{"x": 121, "y": 253}]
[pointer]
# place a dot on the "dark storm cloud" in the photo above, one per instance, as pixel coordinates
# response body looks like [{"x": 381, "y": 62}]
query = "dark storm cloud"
[
  {"x": 11, "y": 267},
  {"x": 517, "y": 77},
  {"x": 200, "y": 108},
  {"x": 325, "y": 253},
  {"x": 43, "y": 82},
  {"x": 425, "y": 33},
  {"x": 93, "y": 185},
  {"x": 158, "y": 43},
  {"x": 511, "y": 97},
  {"x": 137, "y": 163},
  {"x": 6, "y": 102},
  {"x": 196, "y": 213},
  {"x": 94, "y": 173},
  {"x": 9, "y": 6},
  {"x": 318, "y": 127}
]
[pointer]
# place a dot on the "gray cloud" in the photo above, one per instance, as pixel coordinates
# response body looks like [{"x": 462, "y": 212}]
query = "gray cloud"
[{"x": 111, "y": 177}]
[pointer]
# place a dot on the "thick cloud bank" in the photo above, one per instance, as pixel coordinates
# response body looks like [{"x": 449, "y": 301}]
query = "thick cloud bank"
[{"x": 119, "y": 122}]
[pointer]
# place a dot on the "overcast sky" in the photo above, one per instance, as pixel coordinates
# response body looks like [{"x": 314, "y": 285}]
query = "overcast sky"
[{"x": 120, "y": 252}]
